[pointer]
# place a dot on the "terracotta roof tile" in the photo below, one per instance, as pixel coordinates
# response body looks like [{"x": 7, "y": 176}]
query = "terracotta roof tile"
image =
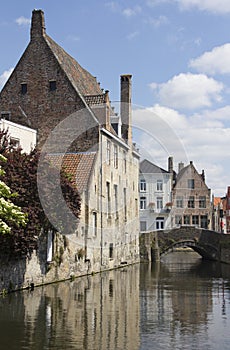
[
  {"x": 78, "y": 165},
  {"x": 216, "y": 201}
]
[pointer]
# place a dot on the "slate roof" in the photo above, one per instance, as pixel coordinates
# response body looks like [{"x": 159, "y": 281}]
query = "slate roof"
[
  {"x": 146, "y": 167},
  {"x": 79, "y": 165}
]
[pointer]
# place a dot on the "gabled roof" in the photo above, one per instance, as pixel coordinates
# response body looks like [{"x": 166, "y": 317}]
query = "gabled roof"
[
  {"x": 78, "y": 165},
  {"x": 83, "y": 82},
  {"x": 80, "y": 78},
  {"x": 183, "y": 171},
  {"x": 146, "y": 167},
  {"x": 188, "y": 168}
]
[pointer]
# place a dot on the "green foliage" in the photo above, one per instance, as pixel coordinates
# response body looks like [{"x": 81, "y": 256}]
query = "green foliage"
[
  {"x": 19, "y": 173},
  {"x": 9, "y": 212}
]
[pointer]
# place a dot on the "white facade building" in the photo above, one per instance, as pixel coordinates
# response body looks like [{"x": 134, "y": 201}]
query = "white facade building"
[
  {"x": 155, "y": 186},
  {"x": 20, "y": 136}
]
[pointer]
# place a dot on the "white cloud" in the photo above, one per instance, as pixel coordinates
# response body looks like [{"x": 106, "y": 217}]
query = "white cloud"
[
  {"x": 158, "y": 21},
  {"x": 189, "y": 91},
  {"x": 112, "y": 5},
  {"x": 214, "y": 6},
  {"x": 4, "y": 77},
  {"x": 213, "y": 62},
  {"x": 130, "y": 12},
  {"x": 22, "y": 21},
  {"x": 153, "y": 3},
  {"x": 156, "y": 131},
  {"x": 202, "y": 138},
  {"x": 132, "y": 35}
]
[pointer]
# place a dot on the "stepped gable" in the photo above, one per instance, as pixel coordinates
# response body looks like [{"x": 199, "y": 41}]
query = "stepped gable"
[
  {"x": 146, "y": 167},
  {"x": 78, "y": 165}
]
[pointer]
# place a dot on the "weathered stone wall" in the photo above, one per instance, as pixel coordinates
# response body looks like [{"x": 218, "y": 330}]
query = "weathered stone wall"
[
  {"x": 209, "y": 244},
  {"x": 68, "y": 260}
]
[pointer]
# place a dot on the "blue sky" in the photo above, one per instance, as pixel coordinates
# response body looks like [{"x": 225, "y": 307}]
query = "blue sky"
[{"x": 178, "y": 52}]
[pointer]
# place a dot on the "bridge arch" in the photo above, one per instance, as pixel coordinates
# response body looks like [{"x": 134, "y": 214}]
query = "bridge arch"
[
  {"x": 208, "y": 252},
  {"x": 210, "y": 245}
]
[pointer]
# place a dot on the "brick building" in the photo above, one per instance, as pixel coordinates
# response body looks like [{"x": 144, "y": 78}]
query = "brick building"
[
  {"x": 76, "y": 125},
  {"x": 191, "y": 198},
  {"x": 228, "y": 210}
]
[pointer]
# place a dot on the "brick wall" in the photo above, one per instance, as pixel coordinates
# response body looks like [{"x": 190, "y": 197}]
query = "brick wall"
[{"x": 40, "y": 108}]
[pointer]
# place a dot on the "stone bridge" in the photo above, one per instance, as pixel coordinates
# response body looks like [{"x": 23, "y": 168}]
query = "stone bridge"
[{"x": 210, "y": 245}]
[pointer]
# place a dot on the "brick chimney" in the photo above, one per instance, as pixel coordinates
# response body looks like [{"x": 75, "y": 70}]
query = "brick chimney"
[
  {"x": 125, "y": 108},
  {"x": 180, "y": 166},
  {"x": 37, "y": 24},
  {"x": 170, "y": 164}
]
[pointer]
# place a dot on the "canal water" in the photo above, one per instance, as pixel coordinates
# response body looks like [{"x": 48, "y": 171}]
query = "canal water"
[{"x": 181, "y": 303}]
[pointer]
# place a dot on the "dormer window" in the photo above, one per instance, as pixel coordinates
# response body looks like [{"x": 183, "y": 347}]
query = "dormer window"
[
  {"x": 52, "y": 85},
  {"x": 23, "y": 88}
]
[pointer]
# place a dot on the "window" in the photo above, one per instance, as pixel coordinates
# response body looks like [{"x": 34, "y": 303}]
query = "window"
[
  {"x": 143, "y": 185},
  {"x": 178, "y": 219},
  {"x": 94, "y": 223},
  {"x": 5, "y": 115},
  {"x": 159, "y": 202},
  {"x": 49, "y": 246},
  {"x": 186, "y": 220},
  {"x": 108, "y": 152},
  {"x": 23, "y": 88},
  {"x": 136, "y": 206},
  {"x": 125, "y": 203},
  {"x": 116, "y": 200},
  {"x": 195, "y": 220},
  {"x": 191, "y": 184},
  {"x": 191, "y": 202},
  {"x": 14, "y": 142},
  {"x": 111, "y": 250},
  {"x": 179, "y": 202},
  {"x": 202, "y": 202},
  {"x": 108, "y": 198},
  {"x": 124, "y": 161},
  {"x": 143, "y": 203},
  {"x": 159, "y": 223},
  {"x": 204, "y": 221},
  {"x": 143, "y": 225},
  {"x": 52, "y": 85},
  {"x": 159, "y": 185},
  {"x": 115, "y": 155}
]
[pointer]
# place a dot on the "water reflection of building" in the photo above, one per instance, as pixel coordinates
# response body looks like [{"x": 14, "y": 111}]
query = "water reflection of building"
[
  {"x": 96, "y": 312},
  {"x": 174, "y": 300}
]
